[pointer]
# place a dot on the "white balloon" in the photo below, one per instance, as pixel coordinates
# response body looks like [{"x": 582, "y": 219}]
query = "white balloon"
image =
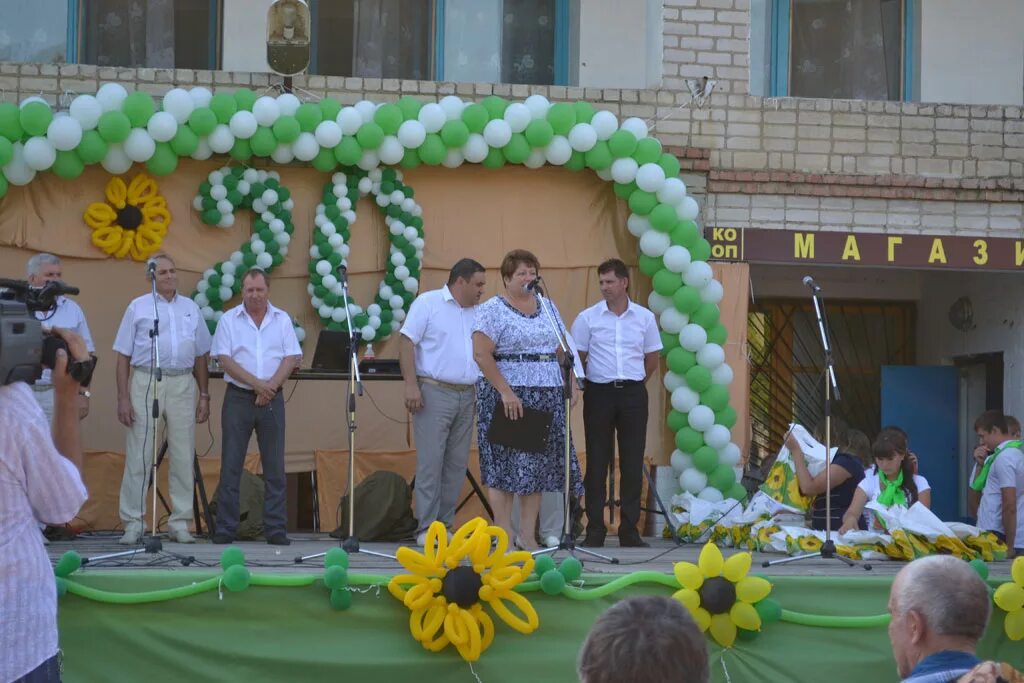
[
  {"x": 635, "y": 126},
  {"x": 673, "y": 320},
  {"x": 638, "y": 225},
  {"x": 624, "y": 170},
  {"x": 722, "y": 375},
  {"x": 432, "y": 117},
  {"x": 680, "y": 461},
  {"x": 329, "y": 280},
  {"x": 536, "y": 159},
  {"x": 162, "y": 126},
  {"x": 328, "y": 134},
  {"x": 111, "y": 96},
  {"x": 300, "y": 334},
  {"x": 34, "y": 98},
  {"x": 283, "y": 154},
  {"x": 391, "y": 151},
  {"x": 497, "y": 133},
  {"x": 200, "y": 96},
  {"x": 395, "y": 302},
  {"x": 654, "y": 243},
  {"x": 221, "y": 140},
  {"x": 672, "y": 381},
  {"x": 87, "y": 110},
  {"x": 368, "y": 333},
  {"x": 538, "y": 106},
  {"x": 64, "y": 133},
  {"x": 288, "y": 104},
  {"x": 698, "y": 275},
  {"x": 650, "y": 177},
  {"x": 178, "y": 103},
  {"x": 605, "y": 124},
  {"x": 412, "y": 134},
  {"x": 582, "y": 137},
  {"x": 366, "y": 110},
  {"x": 559, "y": 151},
  {"x": 712, "y": 292},
  {"x": 475, "y": 150},
  {"x": 604, "y": 174},
  {"x": 517, "y": 116},
  {"x": 717, "y": 437},
  {"x": 116, "y": 162},
  {"x": 710, "y": 356},
  {"x": 243, "y": 124},
  {"x": 266, "y": 110},
  {"x": 658, "y": 303},
  {"x": 264, "y": 260},
  {"x": 711, "y": 495},
  {"x": 401, "y": 272},
  {"x": 701, "y": 418},
  {"x": 17, "y": 171},
  {"x": 688, "y": 209},
  {"x": 368, "y": 161},
  {"x": 140, "y": 146},
  {"x": 306, "y": 147},
  {"x": 349, "y": 119},
  {"x": 693, "y": 481},
  {"x": 454, "y": 159},
  {"x": 693, "y": 337},
  {"x": 730, "y": 453},
  {"x": 677, "y": 258},
  {"x": 672, "y": 192},
  {"x": 452, "y": 105},
  {"x": 684, "y": 399}
]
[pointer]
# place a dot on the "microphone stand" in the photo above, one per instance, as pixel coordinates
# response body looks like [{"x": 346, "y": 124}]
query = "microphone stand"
[
  {"x": 355, "y": 385},
  {"x": 828, "y": 548},
  {"x": 568, "y": 540}
]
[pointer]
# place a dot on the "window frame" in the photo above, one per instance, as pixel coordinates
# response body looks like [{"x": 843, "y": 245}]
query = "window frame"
[{"x": 781, "y": 53}]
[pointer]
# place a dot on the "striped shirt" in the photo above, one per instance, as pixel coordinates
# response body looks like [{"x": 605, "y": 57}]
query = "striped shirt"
[{"x": 37, "y": 484}]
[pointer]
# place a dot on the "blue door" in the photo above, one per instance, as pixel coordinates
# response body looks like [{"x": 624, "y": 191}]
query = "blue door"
[{"x": 924, "y": 401}]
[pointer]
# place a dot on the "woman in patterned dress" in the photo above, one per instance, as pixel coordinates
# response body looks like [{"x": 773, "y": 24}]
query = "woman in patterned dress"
[{"x": 517, "y": 352}]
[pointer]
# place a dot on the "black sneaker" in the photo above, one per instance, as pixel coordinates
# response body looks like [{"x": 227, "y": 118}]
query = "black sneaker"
[
  {"x": 593, "y": 540},
  {"x": 220, "y": 538},
  {"x": 280, "y": 538},
  {"x": 633, "y": 542}
]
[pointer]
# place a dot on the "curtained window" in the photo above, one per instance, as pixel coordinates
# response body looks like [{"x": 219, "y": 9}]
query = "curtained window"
[
  {"x": 34, "y": 31},
  {"x": 500, "y": 41},
  {"x": 148, "y": 33},
  {"x": 374, "y": 38}
]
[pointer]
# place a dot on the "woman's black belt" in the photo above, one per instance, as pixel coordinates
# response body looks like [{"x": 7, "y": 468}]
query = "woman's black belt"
[{"x": 525, "y": 357}]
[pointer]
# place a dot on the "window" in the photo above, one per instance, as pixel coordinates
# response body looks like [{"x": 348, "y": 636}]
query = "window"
[
  {"x": 34, "y": 31},
  {"x": 840, "y": 49},
  {"x": 147, "y": 33},
  {"x": 497, "y": 41}
]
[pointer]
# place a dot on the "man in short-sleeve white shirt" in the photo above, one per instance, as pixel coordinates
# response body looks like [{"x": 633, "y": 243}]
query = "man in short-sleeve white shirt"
[
  {"x": 184, "y": 345},
  {"x": 436, "y": 355},
  {"x": 1000, "y": 504},
  {"x": 619, "y": 343},
  {"x": 256, "y": 345}
]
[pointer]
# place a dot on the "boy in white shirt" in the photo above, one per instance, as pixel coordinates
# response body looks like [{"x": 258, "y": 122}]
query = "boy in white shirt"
[{"x": 997, "y": 482}]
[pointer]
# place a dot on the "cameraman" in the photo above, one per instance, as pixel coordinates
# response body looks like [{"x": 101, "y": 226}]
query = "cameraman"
[{"x": 40, "y": 481}]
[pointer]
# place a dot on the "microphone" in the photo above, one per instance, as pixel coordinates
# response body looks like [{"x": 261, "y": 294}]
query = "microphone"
[
  {"x": 151, "y": 267},
  {"x": 809, "y": 281},
  {"x": 535, "y": 285},
  {"x": 343, "y": 274}
]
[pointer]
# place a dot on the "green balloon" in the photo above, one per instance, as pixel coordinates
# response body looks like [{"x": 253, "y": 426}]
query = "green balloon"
[
  {"x": 577, "y": 162},
  {"x": 599, "y": 158},
  {"x": 726, "y": 417},
  {"x": 335, "y": 577},
  {"x": 475, "y": 117},
  {"x": 669, "y": 164},
  {"x": 543, "y": 565},
  {"x": 410, "y": 107},
  {"x": 686, "y": 299},
  {"x": 336, "y": 557},
  {"x": 341, "y": 598},
  {"x": 10, "y": 122},
  {"x": 263, "y": 142},
  {"x": 388, "y": 117},
  {"x": 411, "y": 159},
  {"x": 663, "y": 217},
  {"x": 185, "y": 141},
  {"x": 676, "y": 421},
  {"x": 211, "y": 217},
  {"x": 3, "y": 185},
  {"x": 223, "y": 107},
  {"x": 679, "y": 360},
  {"x": 685, "y": 234},
  {"x": 562, "y": 117},
  {"x": 723, "y": 477},
  {"x": 35, "y": 118},
  {"x": 6, "y": 151},
  {"x": 163, "y": 161},
  {"x": 454, "y": 134},
  {"x": 552, "y": 582},
  {"x": 623, "y": 191},
  {"x": 241, "y": 150},
  {"x": 309, "y": 116},
  {"x": 736, "y": 492},
  {"x": 706, "y": 315},
  {"x": 231, "y": 556},
  {"x": 769, "y": 610},
  {"x": 622, "y": 143},
  {"x": 648, "y": 151},
  {"x": 669, "y": 342},
  {"x": 539, "y": 133},
  {"x": 689, "y": 440},
  {"x": 571, "y": 568},
  {"x": 432, "y": 152},
  {"x": 666, "y": 282},
  {"x": 494, "y": 159},
  {"x": 517, "y": 150},
  {"x": 244, "y": 98},
  {"x": 584, "y": 112},
  {"x": 324, "y": 161},
  {"x": 236, "y": 577},
  {"x": 330, "y": 107},
  {"x": 698, "y": 378},
  {"x": 642, "y": 203},
  {"x": 139, "y": 108},
  {"x": 649, "y": 265},
  {"x": 701, "y": 251},
  {"x": 705, "y": 459},
  {"x": 495, "y": 106},
  {"x": 202, "y": 121},
  {"x": 717, "y": 334},
  {"x": 715, "y": 397},
  {"x": 287, "y": 129},
  {"x": 370, "y": 135},
  {"x": 114, "y": 126},
  {"x": 68, "y": 165},
  {"x": 68, "y": 564}
]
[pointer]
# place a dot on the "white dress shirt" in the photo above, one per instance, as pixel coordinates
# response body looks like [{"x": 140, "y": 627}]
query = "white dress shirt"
[
  {"x": 37, "y": 484},
  {"x": 616, "y": 344},
  {"x": 68, "y": 314},
  {"x": 1006, "y": 472},
  {"x": 871, "y": 485},
  {"x": 259, "y": 350},
  {"x": 183, "y": 332},
  {"x": 441, "y": 331}
]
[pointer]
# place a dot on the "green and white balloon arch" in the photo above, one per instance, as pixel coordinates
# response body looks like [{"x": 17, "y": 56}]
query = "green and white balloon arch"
[{"x": 367, "y": 141}]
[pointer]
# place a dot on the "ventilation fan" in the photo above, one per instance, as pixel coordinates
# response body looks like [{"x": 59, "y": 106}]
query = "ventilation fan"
[{"x": 961, "y": 314}]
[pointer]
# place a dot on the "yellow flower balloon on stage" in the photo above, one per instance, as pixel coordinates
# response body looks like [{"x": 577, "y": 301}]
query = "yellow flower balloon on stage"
[
  {"x": 720, "y": 595},
  {"x": 1010, "y": 598},
  {"x": 449, "y": 583},
  {"x": 132, "y": 222}
]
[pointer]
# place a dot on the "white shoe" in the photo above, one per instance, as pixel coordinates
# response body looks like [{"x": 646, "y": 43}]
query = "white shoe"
[
  {"x": 181, "y": 536},
  {"x": 131, "y": 537},
  {"x": 421, "y": 539},
  {"x": 551, "y": 541}
]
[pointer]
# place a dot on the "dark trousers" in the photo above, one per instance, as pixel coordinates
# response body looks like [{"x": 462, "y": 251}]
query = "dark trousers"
[
  {"x": 47, "y": 672},
  {"x": 239, "y": 416},
  {"x": 611, "y": 411}
]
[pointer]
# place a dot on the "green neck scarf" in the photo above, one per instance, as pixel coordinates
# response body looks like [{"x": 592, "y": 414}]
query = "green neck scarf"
[
  {"x": 979, "y": 481},
  {"x": 892, "y": 492}
]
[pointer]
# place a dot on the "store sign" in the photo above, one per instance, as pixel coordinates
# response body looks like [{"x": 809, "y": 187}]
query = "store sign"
[{"x": 760, "y": 245}]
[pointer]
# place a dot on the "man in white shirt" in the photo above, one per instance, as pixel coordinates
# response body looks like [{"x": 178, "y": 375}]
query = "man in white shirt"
[
  {"x": 256, "y": 345},
  {"x": 39, "y": 482},
  {"x": 43, "y": 269},
  {"x": 183, "y": 354},
  {"x": 997, "y": 483},
  {"x": 436, "y": 355},
  {"x": 619, "y": 344}
]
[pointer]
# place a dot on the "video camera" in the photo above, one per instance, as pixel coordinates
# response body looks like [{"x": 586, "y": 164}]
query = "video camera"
[{"x": 24, "y": 349}]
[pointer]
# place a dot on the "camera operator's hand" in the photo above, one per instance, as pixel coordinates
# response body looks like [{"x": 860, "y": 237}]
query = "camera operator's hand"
[{"x": 65, "y": 386}]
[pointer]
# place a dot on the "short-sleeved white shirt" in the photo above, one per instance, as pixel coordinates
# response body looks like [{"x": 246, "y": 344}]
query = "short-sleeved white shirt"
[
  {"x": 1006, "y": 472},
  {"x": 69, "y": 315},
  {"x": 183, "y": 332},
  {"x": 616, "y": 344},
  {"x": 259, "y": 350},
  {"x": 872, "y": 488},
  {"x": 441, "y": 331}
]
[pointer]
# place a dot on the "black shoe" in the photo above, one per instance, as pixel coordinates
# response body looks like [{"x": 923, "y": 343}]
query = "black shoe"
[
  {"x": 633, "y": 542},
  {"x": 593, "y": 540},
  {"x": 220, "y": 538},
  {"x": 280, "y": 538}
]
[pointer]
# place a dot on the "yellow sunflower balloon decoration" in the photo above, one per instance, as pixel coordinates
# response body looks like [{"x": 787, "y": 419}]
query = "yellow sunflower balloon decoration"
[
  {"x": 1009, "y": 597},
  {"x": 722, "y": 598},
  {"x": 132, "y": 222},
  {"x": 449, "y": 583}
]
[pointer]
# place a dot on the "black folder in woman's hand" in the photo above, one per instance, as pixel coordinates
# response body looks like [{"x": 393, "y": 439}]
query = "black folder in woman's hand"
[{"x": 529, "y": 433}]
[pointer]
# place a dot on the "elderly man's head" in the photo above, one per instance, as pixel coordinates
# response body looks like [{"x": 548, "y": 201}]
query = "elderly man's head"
[{"x": 937, "y": 603}]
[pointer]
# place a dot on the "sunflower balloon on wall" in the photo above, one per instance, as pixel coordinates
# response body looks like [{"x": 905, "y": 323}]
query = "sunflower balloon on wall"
[{"x": 132, "y": 222}]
